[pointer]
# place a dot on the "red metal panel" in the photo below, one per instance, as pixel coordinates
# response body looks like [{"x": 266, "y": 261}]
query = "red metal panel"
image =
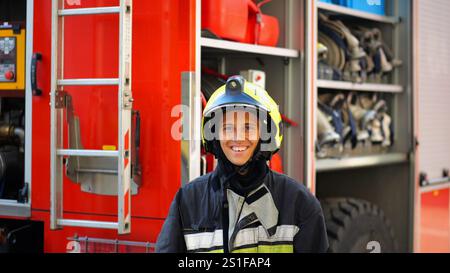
[
  {"x": 435, "y": 221},
  {"x": 41, "y": 111},
  {"x": 163, "y": 47}
]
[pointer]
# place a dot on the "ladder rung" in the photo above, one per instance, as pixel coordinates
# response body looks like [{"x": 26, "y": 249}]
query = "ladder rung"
[
  {"x": 87, "y": 223},
  {"x": 88, "y": 11},
  {"x": 92, "y": 153},
  {"x": 90, "y": 82},
  {"x": 97, "y": 171}
]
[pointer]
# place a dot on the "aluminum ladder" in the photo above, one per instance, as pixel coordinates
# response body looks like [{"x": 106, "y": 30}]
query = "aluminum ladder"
[{"x": 58, "y": 102}]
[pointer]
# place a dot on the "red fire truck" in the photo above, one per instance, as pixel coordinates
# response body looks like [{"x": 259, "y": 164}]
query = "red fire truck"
[{"x": 91, "y": 95}]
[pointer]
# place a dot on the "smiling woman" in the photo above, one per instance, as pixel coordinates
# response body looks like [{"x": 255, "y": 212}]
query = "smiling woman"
[
  {"x": 243, "y": 206},
  {"x": 239, "y": 136}
]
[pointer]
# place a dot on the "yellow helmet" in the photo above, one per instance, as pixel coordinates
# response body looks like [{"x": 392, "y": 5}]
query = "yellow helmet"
[{"x": 238, "y": 92}]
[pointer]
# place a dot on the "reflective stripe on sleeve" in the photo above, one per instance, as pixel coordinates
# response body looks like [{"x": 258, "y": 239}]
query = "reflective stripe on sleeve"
[{"x": 204, "y": 240}]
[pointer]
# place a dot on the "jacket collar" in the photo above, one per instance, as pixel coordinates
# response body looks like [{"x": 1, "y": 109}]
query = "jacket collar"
[
  {"x": 259, "y": 200},
  {"x": 260, "y": 203},
  {"x": 243, "y": 185}
]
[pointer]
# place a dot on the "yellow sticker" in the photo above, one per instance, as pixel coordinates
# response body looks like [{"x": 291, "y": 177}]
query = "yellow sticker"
[{"x": 109, "y": 147}]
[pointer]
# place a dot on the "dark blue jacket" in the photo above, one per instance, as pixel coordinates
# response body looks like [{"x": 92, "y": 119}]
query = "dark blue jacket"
[{"x": 281, "y": 215}]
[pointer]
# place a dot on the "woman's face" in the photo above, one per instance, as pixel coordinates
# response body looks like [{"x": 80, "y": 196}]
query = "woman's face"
[{"x": 239, "y": 136}]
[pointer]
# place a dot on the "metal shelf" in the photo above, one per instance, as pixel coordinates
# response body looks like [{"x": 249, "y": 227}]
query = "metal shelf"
[
  {"x": 370, "y": 87},
  {"x": 248, "y": 48},
  {"x": 336, "y": 9},
  {"x": 324, "y": 165}
]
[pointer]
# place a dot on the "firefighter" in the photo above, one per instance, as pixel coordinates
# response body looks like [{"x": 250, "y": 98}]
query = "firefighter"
[{"x": 243, "y": 206}]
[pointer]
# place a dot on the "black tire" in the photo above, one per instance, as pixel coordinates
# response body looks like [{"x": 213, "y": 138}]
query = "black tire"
[{"x": 357, "y": 226}]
